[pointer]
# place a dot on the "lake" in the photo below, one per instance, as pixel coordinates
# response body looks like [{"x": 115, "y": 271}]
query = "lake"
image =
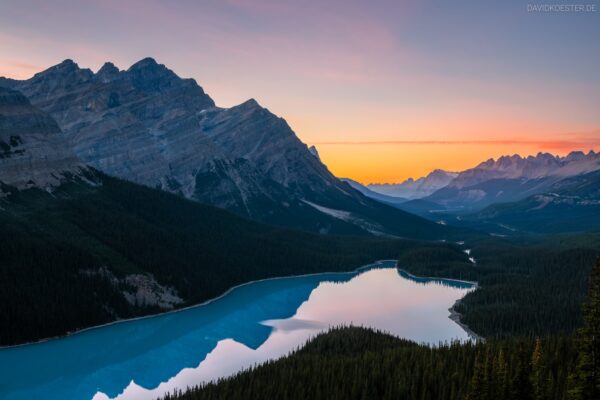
[{"x": 252, "y": 323}]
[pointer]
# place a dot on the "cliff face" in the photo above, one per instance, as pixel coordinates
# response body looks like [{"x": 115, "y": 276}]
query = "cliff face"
[
  {"x": 149, "y": 126},
  {"x": 33, "y": 150}
]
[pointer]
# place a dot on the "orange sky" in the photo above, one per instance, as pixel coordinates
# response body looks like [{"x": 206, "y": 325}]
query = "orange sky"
[{"x": 391, "y": 163}]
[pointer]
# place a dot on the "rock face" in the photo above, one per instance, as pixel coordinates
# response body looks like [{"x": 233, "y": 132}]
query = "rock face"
[
  {"x": 415, "y": 189},
  {"x": 33, "y": 150},
  {"x": 149, "y": 126}
]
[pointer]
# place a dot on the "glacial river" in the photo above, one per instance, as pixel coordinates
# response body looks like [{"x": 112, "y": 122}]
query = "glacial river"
[{"x": 145, "y": 358}]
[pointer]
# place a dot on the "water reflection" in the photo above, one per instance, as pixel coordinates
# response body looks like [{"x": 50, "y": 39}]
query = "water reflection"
[{"x": 145, "y": 358}]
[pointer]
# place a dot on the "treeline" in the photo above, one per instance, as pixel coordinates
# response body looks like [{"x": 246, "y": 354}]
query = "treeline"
[
  {"x": 525, "y": 288},
  {"x": 356, "y": 363},
  {"x": 54, "y": 247}
]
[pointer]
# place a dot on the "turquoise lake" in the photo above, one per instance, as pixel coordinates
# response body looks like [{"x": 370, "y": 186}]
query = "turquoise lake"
[{"x": 252, "y": 323}]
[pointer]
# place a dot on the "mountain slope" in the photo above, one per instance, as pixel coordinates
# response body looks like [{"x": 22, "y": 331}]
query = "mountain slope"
[
  {"x": 151, "y": 127},
  {"x": 569, "y": 205},
  {"x": 391, "y": 200},
  {"x": 33, "y": 150},
  {"x": 80, "y": 248},
  {"x": 86, "y": 255}
]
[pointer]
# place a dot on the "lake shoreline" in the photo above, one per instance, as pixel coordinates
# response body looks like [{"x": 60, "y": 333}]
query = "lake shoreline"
[
  {"x": 454, "y": 316},
  {"x": 206, "y": 302}
]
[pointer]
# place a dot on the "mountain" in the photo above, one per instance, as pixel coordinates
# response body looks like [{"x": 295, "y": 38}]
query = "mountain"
[
  {"x": 569, "y": 205},
  {"x": 81, "y": 248},
  {"x": 421, "y": 207},
  {"x": 391, "y": 200},
  {"x": 33, "y": 150},
  {"x": 415, "y": 189},
  {"x": 151, "y": 127},
  {"x": 511, "y": 178},
  {"x": 89, "y": 254}
]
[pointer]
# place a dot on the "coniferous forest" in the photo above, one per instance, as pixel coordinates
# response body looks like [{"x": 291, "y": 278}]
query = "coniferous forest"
[
  {"x": 64, "y": 255},
  {"x": 358, "y": 363},
  {"x": 70, "y": 251}
]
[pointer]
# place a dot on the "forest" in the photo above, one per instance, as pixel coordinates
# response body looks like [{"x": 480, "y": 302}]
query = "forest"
[
  {"x": 358, "y": 363},
  {"x": 64, "y": 254},
  {"x": 527, "y": 286}
]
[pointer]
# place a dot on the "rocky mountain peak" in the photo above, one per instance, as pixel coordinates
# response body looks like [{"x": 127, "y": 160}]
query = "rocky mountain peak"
[
  {"x": 107, "y": 72},
  {"x": 147, "y": 63},
  {"x": 313, "y": 150},
  {"x": 576, "y": 156},
  {"x": 66, "y": 70},
  {"x": 249, "y": 105}
]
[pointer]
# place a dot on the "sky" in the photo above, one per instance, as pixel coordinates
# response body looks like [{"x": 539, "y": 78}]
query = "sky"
[{"x": 385, "y": 90}]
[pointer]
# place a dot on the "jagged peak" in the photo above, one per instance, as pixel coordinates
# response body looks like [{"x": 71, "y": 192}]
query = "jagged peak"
[
  {"x": 68, "y": 63},
  {"x": 108, "y": 68},
  {"x": 250, "y": 104},
  {"x": 146, "y": 63},
  {"x": 67, "y": 67}
]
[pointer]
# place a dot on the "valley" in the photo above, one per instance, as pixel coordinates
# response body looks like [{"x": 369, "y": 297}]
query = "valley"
[
  {"x": 149, "y": 237},
  {"x": 250, "y": 324}
]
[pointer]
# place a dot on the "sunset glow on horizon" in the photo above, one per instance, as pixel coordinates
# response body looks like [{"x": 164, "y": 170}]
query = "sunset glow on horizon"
[{"x": 385, "y": 90}]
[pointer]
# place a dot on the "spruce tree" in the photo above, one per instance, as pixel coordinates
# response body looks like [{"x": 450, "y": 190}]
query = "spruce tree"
[
  {"x": 586, "y": 378},
  {"x": 537, "y": 371},
  {"x": 478, "y": 389}
]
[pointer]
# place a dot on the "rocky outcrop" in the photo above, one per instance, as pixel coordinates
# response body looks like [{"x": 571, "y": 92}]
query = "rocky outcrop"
[{"x": 33, "y": 150}]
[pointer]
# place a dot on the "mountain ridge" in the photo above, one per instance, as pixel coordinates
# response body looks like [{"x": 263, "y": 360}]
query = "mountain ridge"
[
  {"x": 512, "y": 178},
  {"x": 411, "y": 189},
  {"x": 149, "y": 126}
]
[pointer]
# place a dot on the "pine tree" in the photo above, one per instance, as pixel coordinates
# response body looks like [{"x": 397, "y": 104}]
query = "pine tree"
[
  {"x": 586, "y": 378},
  {"x": 521, "y": 384},
  {"x": 478, "y": 384},
  {"x": 537, "y": 371},
  {"x": 501, "y": 376}
]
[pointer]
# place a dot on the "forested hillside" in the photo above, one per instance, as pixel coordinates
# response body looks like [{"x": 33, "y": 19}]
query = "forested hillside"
[
  {"x": 526, "y": 286},
  {"x": 356, "y": 363},
  {"x": 66, "y": 256}
]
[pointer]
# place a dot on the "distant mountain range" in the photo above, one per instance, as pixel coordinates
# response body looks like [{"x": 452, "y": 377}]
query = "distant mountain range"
[
  {"x": 367, "y": 191},
  {"x": 511, "y": 178},
  {"x": 151, "y": 127},
  {"x": 507, "y": 179},
  {"x": 416, "y": 189},
  {"x": 569, "y": 205}
]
